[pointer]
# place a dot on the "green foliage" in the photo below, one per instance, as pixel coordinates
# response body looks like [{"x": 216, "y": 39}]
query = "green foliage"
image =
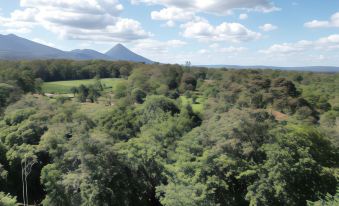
[
  {"x": 8, "y": 95},
  {"x": 299, "y": 158},
  {"x": 66, "y": 87},
  {"x": 7, "y": 200},
  {"x": 120, "y": 90},
  {"x": 155, "y": 106},
  {"x": 188, "y": 82},
  {"x": 138, "y": 95},
  {"x": 234, "y": 137},
  {"x": 329, "y": 200}
]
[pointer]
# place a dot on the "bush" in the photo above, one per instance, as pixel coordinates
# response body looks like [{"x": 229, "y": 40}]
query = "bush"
[
  {"x": 7, "y": 200},
  {"x": 138, "y": 95}
]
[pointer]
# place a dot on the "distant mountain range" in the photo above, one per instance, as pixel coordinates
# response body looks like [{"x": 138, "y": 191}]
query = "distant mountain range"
[
  {"x": 13, "y": 47},
  {"x": 326, "y": 69}
]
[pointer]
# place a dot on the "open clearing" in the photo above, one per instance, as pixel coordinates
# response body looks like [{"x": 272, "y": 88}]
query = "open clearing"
[
  {"x": 197, "y": 106},
  {"x": 64, "y": 87}
]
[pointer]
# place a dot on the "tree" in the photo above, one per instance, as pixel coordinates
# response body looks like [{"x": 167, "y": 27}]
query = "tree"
[
  {"x": 120, "y": 90},
  {"x": 74, "y": 90},
  {"x": 93, "y": 93},
  {"x": 188, "y": 82},
  {"x": 38, "y": 85},
  {"x": 82, "y": 93},
  {"x": 124, "y": 72},
  {"x": 157, "y": 106},
  {"x": 138, "y": 95},
  {"x": 329, "y": 200},
  {"x": 297, "y": 159}
]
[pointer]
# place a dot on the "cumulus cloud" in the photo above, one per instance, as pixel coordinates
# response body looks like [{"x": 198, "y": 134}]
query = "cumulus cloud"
[
  {"x": 333, "y": 22},
  {"x": 326, "y": 43},
  {"x": 151, "y": 45},
  {"x": 243, "y": 16},
  {"x": 77, "y": 19},
  {"x": 170, "y": 24},
  {"x": 172, "y": 13},
  {"x": 226, "y": 50},
  {"x": 231, "y": 49},
  {"x": 220, "y": 7},
  {"x": 159, "y": 50},
  {"x": 268, "y": 27},
  {"x": 21, "y": 21},
  {"x": 230, "y": 32}
]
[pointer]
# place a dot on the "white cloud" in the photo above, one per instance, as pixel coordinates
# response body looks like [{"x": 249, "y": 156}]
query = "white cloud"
[
  {"x": 124, "y": 30},
  {"x": 173, "y": 14},
  {"x": 333, "y": 22},
  {"x": 175, "y": 43},
  {"x": 230, "y": 32},
  {"x": 316, "y": 24},
  {"x": 243, "y": 16},
  {"x": 268, "y": 27},
  {"x": 20, "y": 21},
  {"x": 326, "y": 43},
  {"x": 151, "y": 45},
  {"x": 158, "y": 50},
  {"x": 232, "y": 49},
  {"x": 77, "y": 19},
  {"x": 170, "y": 24},
  {"x": 219, "y": 7}
]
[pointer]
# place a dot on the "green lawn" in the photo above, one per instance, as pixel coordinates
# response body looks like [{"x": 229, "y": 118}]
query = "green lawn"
[
  {"x": 197, "y": 107},
  {"x": 63, "y": 87}
]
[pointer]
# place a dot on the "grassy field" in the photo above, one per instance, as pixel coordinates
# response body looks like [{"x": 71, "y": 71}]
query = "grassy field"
[
  {"x": 63, "y": 87},
  {"x": 197, "y": 107}
]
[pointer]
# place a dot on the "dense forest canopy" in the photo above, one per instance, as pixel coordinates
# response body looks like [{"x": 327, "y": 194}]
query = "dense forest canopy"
[{"x": 167, "y": 135}]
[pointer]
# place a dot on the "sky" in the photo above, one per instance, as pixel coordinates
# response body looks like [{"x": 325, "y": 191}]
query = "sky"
[{"x": 205, "y": 32}]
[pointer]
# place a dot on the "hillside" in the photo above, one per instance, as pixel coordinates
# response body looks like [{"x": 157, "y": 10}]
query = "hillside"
[
  {"x": 13, "y": 47},
  {"x": 119, "y": 52}
]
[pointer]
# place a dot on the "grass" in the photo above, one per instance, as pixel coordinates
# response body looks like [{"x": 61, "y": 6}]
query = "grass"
[
  {"x": 93, "y": 110},
  {"x": 64, "y": 87},
  {"x": 197, "y": 107}
]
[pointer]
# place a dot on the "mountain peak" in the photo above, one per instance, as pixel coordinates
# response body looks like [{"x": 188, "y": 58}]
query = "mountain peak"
[
  {"x": 120, "y": 52},
  {"x": 119, "y": 45}
]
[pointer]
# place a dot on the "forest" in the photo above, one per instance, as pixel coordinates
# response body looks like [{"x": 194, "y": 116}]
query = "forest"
[{"x": 132, "y": 134}]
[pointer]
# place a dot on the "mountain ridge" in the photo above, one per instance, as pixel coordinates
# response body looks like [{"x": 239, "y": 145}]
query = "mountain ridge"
[{"x": 13, "y": 47}]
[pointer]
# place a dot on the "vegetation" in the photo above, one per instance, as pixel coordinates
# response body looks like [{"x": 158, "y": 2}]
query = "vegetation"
[
  {"x": 65, "y": 87},
  {"x": 136, "y": 134}
]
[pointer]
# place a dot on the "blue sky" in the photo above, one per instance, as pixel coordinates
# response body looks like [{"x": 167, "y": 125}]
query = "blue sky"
[{"x": 242, "y": 32}]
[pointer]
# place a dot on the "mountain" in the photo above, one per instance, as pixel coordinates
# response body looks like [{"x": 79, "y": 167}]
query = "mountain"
[
  {"x": 13, "y": 47},
  {"x": 119, "y": 52},
  {"x": 85, "y": 54},
  {"x": 327, "y": 69},
  {"x": 16, "y": 48}
]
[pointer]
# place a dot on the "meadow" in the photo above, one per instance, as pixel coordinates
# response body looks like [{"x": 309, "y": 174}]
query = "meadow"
[
  {"x": 64, "y": 87},
  {"x": 197, "y": 106}
]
